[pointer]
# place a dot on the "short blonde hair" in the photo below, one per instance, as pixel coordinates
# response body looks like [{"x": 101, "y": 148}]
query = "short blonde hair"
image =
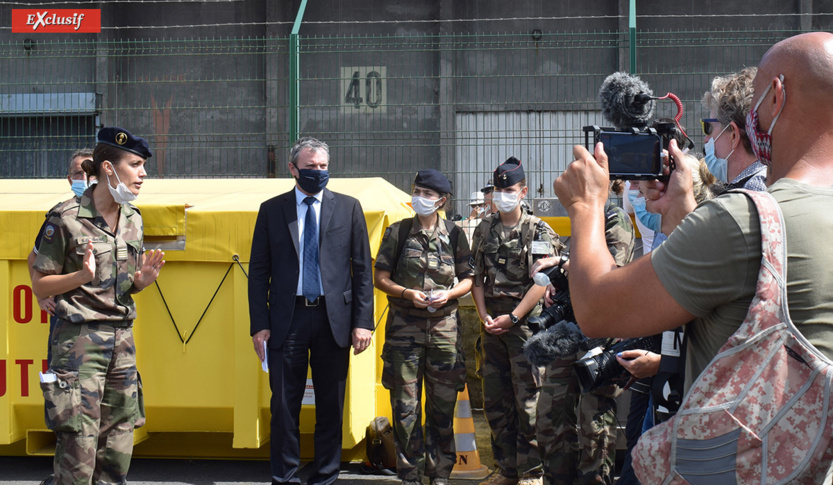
[
  {"x": 731, "y": 98},
  {"x": 702, "y": 180}
]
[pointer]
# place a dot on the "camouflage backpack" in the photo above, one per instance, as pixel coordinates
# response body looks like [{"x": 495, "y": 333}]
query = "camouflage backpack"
[{"x": 761, "y": 411}]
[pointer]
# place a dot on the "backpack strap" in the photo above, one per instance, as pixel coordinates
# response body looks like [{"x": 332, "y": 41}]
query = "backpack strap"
[
  {"x": 453, "y": 236},
  {"x": 404, "y": 228},
  {"x": 527, "y": 236},
  {"x": 773, "y": 272}
]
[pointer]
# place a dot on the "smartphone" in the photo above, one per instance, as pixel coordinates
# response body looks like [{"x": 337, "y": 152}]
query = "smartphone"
[{"x": 633, "y": 156}]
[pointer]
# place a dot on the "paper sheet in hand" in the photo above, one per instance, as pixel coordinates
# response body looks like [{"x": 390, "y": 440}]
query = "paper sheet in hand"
[{"x": 265, "y": 364}]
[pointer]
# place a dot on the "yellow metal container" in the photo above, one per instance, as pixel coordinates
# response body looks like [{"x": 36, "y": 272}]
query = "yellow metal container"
[{"x": 205, "y": 393}]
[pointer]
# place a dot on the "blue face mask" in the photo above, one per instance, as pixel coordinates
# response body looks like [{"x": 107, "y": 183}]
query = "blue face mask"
[
  {"x": 312, "y": 181},
  {"x": 649, "y": 220},
  {"x": 717, "y": 166},
  {"x": 658, "y": 240},
  {"x": 78, "y": 187}
]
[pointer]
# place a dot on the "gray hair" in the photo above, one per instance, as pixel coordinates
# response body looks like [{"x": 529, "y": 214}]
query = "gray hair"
[
  {"x": 84, "y": 152},
  {"x": 310, "y": 143},
  {"x": 731, "y": 98}
]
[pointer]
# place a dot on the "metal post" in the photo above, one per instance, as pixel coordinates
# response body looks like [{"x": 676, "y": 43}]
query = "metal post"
[
  {"x": 632, "y": 35},
  {"x": 294, "y": 76}
]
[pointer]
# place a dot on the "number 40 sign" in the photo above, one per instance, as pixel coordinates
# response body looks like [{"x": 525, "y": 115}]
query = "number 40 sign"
[{"x": 364, "y": 89}]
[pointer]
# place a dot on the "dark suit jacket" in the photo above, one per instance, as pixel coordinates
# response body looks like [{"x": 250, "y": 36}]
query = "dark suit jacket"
[{"x": 346, "y": 273}]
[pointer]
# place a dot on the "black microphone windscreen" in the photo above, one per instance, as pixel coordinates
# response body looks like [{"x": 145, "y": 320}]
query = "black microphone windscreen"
[
  {"x": 626, "y": 101},
  {"x": 557, "y": 342}
]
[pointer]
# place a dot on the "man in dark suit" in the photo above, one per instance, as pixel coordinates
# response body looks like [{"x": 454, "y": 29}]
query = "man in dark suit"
[{"x": 310, "y": 297}]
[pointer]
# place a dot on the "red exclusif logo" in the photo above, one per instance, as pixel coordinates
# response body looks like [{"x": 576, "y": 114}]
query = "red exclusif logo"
[{"x": 54, "y": 21}]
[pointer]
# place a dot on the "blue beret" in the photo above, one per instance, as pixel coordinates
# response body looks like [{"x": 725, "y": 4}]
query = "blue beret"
[
  {"x": 121, "y": 138},
  {"x": 509, "y": 173},
  {"x": 434, "y": 180}
]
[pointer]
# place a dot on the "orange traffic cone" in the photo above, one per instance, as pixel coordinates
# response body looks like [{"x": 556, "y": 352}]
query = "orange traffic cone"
[{"x": 468, "y": 460}]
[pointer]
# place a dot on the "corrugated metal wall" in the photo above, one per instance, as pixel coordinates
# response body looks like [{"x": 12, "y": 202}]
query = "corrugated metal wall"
[{"x": 542, "y": 140}]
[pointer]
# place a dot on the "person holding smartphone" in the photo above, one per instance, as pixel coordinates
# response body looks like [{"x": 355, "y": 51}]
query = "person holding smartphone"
[{"x": 424, "y": 267}]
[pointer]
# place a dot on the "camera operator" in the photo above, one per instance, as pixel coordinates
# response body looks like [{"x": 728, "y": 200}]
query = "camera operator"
[
  {"x": 644, "y": 364},
  {"x": 504, "y": 247},
  {"x": 577, "y": 432},
  {"x": 728, "y": 101},
  {"x": 707, "y": 270}
]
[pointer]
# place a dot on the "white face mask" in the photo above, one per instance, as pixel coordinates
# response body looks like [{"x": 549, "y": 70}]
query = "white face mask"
[
  {"x": 506, "y": 201},
  {"x": 121, "y": 194},
  {"x": 423, "y": 206},
  {"x": 719, "y": 167}
]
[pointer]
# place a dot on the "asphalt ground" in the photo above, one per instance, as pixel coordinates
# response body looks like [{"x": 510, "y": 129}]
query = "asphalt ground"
[{"x": 31, "y": 470}]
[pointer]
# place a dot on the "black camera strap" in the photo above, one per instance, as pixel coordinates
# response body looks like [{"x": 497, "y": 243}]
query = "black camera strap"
[{"x": 667, "y": 388}]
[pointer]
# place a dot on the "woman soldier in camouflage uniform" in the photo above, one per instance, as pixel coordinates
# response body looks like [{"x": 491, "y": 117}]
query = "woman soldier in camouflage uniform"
[
  {"x": 90, "y": 259},
  {"x": 504, "y": 247},
  {"x": 417, "y": 264}
]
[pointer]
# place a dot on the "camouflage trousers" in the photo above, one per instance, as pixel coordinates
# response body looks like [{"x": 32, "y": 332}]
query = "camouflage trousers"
[
  {"x": 94, "y": 403},
  {"x": 576, "y": 432},
  {"x": 423, "y": 349},
  {"x": 510, "y": 396}
]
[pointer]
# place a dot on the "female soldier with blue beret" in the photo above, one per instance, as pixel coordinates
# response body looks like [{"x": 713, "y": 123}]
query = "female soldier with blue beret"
[
  {"x": 90, "y": 259},
  {"x": 417, "y": 265}
]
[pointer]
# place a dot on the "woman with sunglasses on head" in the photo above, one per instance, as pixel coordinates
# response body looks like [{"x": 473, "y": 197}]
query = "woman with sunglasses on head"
[
  {"x": 90, "y": 258},
  {"x": 424, "y": 266}
]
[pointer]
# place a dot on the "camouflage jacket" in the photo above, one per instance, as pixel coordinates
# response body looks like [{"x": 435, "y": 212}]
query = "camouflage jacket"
[
  {"x": 619, "y": 234},
  {"x": 69, "y": 228},
  {"x": 503, "y": 256},
  {"x": 427, "y": 260}
]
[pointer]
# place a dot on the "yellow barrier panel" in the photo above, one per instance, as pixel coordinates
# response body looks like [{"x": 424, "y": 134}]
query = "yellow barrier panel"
[{"x": 207, "y": 397}]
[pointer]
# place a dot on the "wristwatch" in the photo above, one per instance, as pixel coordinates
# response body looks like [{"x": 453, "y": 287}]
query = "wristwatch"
[{"x": 513, "y": 318}]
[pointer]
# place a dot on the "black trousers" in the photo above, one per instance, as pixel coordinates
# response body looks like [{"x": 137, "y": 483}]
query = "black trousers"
[
  {"x": 633, "y": 430},
  {"x": 310, "y": 343}
]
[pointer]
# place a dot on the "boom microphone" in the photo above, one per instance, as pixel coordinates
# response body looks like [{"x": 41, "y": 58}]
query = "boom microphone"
[
  {"x": 559, "y": 341},
  {"x": 627, "y": 101}
]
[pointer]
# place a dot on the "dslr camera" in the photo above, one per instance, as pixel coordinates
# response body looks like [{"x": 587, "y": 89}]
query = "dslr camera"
[
  {"x": 562, "y": 307},
  {"x": 599, "y": 366},
  {"x": 562, "y": 338}
]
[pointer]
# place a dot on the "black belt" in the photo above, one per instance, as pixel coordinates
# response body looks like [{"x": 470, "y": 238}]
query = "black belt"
[{"x": 302, "y": 301}]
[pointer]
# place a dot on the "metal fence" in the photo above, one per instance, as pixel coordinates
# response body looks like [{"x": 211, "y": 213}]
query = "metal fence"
[{"x": 387, "y": 105}]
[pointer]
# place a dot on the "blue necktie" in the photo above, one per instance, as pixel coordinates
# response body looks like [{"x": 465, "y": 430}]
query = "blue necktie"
[{"x": 312, "y": 281}]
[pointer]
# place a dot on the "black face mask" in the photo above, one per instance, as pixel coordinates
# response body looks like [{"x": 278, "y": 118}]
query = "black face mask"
[{"x": 312, "y": 181}]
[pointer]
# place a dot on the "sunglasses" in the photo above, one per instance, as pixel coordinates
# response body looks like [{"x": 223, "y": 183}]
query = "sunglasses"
[{"x": 706, "y": 123}]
